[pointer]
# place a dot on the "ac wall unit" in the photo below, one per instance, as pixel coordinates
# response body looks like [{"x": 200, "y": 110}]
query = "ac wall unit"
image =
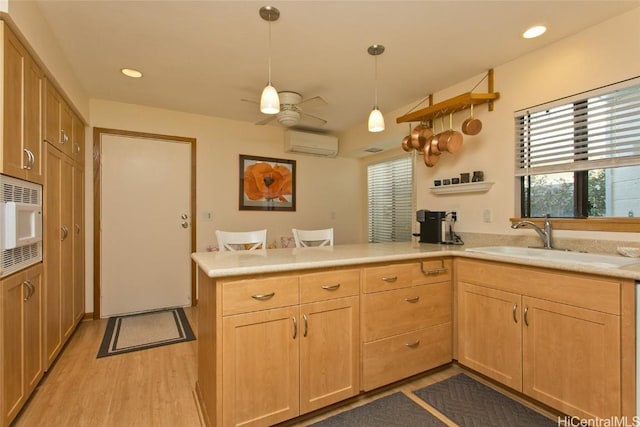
[{"x": 315, "y": 144}]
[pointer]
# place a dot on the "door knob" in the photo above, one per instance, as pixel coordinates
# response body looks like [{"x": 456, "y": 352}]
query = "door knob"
[
  {"x": 185, "y": 224},
  {"x": 184, "y": 216}
]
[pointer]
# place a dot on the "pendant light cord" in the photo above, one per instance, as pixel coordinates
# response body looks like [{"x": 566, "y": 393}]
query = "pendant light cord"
[
  {"x": 269, "y": 48},
  {"x": 375, "y": 79}
]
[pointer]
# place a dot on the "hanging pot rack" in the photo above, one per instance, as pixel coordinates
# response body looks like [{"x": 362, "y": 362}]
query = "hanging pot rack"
[{"x": 453, "y": 105}]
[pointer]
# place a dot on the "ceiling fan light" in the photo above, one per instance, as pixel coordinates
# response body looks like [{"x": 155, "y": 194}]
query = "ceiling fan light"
[
  {"x": 270, "y": 101},
  {"x": 376, "y": 121}
]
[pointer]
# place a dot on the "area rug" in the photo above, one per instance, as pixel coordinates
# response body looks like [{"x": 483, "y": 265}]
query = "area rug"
[
  {"x": 394, "y": 410},
  {"x": 141, "y": 331},
  {"x": 470, "y": 403}
]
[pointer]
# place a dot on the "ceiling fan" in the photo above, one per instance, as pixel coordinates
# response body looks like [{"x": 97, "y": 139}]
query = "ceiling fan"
[{"x": 291, "y": 112}]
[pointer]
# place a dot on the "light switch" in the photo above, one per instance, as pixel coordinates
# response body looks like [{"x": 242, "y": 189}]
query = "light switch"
[{"x": 486, "y": 215}]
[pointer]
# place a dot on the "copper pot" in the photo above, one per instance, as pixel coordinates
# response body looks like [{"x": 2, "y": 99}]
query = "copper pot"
[
  {"x": 420, "y": 135},
  {"x": 430, "y": 159},
  {"x": 450, "y": 140},
  {"x": 471, "y": 126},
  {"x": 406, "y": 143}
]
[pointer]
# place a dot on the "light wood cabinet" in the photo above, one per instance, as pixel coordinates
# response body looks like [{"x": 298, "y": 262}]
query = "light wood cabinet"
[
  {"x": 20, "y": 339},
  {"x": 406, "y": 320},
  {"x": 58, "y": 120},
  {"x": 78, "y": 243},
  {"x": 554, "y": 336},
  {"x": 22, "y": 141},
  {"x": 303, "y": 335},
  {"x": 58, "y": 251}
]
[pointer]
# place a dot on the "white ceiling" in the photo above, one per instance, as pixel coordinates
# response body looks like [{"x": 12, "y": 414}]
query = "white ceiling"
[{"x": 205, "y": 56}]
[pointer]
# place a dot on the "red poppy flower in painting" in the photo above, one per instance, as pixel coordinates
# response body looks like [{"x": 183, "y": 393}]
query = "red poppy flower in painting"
[{"x": 262, "y": 181}]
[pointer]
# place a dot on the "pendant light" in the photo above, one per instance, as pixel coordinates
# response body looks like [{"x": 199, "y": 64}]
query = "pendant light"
[
  {"x": 376, "y": 121},
  {"x": 269, "y": 101}
]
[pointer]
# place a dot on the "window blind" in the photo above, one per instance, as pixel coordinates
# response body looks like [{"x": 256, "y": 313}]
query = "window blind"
[
  {"x": 390, "y": 200},
  {"x": 593, "y": 130}
]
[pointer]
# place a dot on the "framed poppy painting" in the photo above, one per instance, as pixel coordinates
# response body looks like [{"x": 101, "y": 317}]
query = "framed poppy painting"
[{"x": 267, "y": 184}]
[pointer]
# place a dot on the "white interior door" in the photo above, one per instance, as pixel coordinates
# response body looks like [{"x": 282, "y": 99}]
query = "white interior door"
[{"x": 145, "y": 240}]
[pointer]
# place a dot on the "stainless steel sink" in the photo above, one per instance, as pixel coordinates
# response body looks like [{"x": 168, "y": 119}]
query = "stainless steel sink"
[{"x": 595, "y": 260}]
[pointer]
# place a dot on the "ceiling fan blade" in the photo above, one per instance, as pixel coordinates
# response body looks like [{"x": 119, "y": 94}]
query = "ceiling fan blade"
[
  {"x": 267, "y": 119},
  {"x": 316, "y": 101},
  {"x": 310, "y": 118}
]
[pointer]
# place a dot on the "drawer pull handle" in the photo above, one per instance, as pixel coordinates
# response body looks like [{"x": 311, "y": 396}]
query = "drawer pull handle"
[
  {"x": 413, "y": 344},
  {"x": 263, "y": 297},
  {"x": 515, "y": 307},
  {"x": 526, "y": 319},
  {"x": 331, "y": 287},
  {"x": 414, "y": 299},
  {"x": 390, "y": 279},
  {"x": 431, "y": 272}
]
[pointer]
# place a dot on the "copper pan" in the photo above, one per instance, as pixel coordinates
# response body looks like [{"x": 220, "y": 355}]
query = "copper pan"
[
  {"x": 450, "y": 140},
  {"x": 471, "y": 126},
  {"x": 420, "y": 135},
  {"x": 406, "y": 143},
  {"x": 430, "y": 159}
]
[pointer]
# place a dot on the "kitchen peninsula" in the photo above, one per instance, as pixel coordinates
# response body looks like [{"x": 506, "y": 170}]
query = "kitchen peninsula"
[{"x": 284, "y": 332}]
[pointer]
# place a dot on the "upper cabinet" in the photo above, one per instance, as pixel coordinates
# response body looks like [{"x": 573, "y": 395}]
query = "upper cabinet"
[
  {"x": 62, "y": 128},
  {"x": 22, "y": 112}
]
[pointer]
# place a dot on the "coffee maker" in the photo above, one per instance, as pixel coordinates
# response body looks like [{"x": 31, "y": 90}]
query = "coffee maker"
[{"x": 436, "y": 227}]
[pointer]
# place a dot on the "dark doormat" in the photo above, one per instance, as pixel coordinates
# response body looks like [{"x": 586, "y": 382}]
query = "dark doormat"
[
  {"x": 469, "y": 403},
  {"x": 394, "y": 410},
  {"x": 141, "y": 331}
]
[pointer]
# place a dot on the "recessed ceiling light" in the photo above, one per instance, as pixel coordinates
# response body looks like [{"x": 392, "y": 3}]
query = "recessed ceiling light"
[
  {"x": 534, "y": 32},
  {"x": 130, "y": 72}
]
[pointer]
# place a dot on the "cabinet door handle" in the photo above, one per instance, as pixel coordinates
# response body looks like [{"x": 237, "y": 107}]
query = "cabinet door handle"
[
  {"x": 295, "y": 327},
  {"x": 28, "y": 295},
  {"x": 515, "y": 318},
  {"x": 331, "y": 287},
  {"x": 263, "y": 297},
  {"x": 76, "y": 149},
  {"x": 65, "y": 232},
  {"x": 414, "y": 299},
  {"x": 390, "y": 279},
  {"x": 413, "y": 344},
  {"x": 63, "y": 137},
  {"x": 77, "y": 227},
  {"x": 526, "y": 319},
  {"x": 29, "y": 161},
  {"x": 306, "y": 325}
]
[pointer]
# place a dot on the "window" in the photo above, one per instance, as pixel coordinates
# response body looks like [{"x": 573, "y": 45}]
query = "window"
[
  {"x": 579, "y": 157},
  {"x": 390, "y": 187}
]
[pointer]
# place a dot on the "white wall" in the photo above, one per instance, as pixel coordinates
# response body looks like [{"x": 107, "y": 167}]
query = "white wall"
[{"x": 604, "y": 54}]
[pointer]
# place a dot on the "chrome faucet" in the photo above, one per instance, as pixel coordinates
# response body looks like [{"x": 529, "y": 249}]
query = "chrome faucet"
[{"x": 545, "y": 234}]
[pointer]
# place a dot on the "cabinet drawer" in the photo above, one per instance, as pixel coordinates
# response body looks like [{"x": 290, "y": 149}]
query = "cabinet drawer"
[
  {"x": 392, "y": 359},
  {"x": 258, "y": 294},
  {"x": 580, "y": 290},
  {"x": 329, "y": 285},
  {"x": 388, "y": 277},
  {"x": 402, "y": 310}
]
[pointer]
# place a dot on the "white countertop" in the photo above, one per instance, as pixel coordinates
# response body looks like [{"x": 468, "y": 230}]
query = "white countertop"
[{"x": 225, "y": 264}]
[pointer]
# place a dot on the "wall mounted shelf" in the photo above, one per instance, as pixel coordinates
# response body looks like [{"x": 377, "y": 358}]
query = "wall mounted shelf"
[
  {"x": 453, "y": 105},
  {"x": 471, "y": 187}
]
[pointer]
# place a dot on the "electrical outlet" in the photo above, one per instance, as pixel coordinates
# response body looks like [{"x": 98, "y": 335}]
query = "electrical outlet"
[{"x": 454, "y": 215}]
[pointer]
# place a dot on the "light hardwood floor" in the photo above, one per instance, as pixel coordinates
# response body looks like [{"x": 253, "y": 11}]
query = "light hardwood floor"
[{"x": 152, "y": 387}]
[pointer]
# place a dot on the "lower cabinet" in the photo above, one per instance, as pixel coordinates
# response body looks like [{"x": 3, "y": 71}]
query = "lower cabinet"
[
  {"x": 406, "y": 320},
  {"x": 554, "y": 336},
  {"x": 21, "y": 339},
  {"x": 281, "y": 362}
]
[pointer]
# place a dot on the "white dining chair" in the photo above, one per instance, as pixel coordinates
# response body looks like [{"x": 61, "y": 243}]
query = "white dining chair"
[
  {"x": 306, "y": 238},
  {"x": 241, "y": 240}
]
